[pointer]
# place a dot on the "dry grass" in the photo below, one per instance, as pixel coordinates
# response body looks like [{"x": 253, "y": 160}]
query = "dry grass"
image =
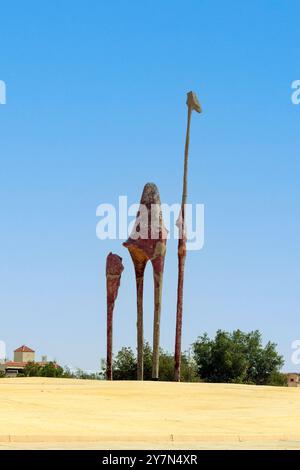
[{"x": 62, "y": 413}]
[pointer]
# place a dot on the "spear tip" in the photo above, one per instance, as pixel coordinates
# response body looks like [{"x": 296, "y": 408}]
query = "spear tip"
[{"x": 193, "y": 102}]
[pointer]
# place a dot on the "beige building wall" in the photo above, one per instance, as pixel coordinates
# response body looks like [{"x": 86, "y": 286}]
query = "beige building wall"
[
  {"x": 20, "y": 356},
  {"x": 293, "y": 380}
]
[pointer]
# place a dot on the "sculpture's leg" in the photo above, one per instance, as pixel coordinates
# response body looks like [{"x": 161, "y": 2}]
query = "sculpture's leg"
[
  {"x": 114, "y": 268},
  {"x": 110, "y": 309},
  {"x": 158, "y": 268},
  {"x": 140, "y": 326},
  {"x": 181, "y": 263},
  {"x": 139, "y": 262}
]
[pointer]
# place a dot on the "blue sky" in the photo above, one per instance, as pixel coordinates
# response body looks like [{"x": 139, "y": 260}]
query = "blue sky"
[{"x": 95, "y": 92}]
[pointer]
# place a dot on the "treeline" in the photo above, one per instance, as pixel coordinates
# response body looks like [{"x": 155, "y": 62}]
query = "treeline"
[
  {"x": 52, "y": 369},
  {"x": 125, "y": 365},
  {"x": 235, "y": 357}
]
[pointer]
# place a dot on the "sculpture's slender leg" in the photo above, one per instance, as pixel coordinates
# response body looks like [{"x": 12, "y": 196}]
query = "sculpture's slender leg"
[
  {"x": 181, "y": 263},
  {"x": 114, "y": 268},
  {"x": 139, "y": 261},
  {"x": 110, "y": 310},
  {"x": 158, "y": 267}
]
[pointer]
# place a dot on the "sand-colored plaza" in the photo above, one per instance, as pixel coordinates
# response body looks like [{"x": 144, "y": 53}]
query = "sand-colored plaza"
[{"x": 45, "y": 413}]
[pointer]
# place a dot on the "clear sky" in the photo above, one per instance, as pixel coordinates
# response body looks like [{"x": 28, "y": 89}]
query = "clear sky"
[{"x": 95, "y": 109}]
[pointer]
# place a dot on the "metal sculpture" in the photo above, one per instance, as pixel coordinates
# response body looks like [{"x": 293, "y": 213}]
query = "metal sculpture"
[
  {"x": 114, "y": 269},
  {"x": 193, "y": 105},
  {"x": 147, "y": 242}
]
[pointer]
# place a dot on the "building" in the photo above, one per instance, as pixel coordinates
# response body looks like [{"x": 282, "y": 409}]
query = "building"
[
  {"x": 22, "y": 356},
  {"x": 293, "y": 379}
]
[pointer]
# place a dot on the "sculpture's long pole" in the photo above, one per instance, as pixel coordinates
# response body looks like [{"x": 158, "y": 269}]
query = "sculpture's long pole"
[
  {"x": 181, "y": 254},
  {"x": 192, "y": 104}
]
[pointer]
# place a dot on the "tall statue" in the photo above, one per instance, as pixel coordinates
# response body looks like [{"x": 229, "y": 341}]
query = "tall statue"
[{"x": 147, "y": 242}]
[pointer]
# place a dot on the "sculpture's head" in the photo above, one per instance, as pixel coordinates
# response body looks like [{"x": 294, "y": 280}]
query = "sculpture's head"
[
  {"x": 193, "y": 102},
  {"x": 149, "y": 229},
  {"x": 150, "y": 194},
  {"x": 114, "y": 264}
]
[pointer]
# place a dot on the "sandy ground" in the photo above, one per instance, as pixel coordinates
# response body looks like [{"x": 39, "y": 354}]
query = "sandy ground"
[{"x": 39, "y": 413}]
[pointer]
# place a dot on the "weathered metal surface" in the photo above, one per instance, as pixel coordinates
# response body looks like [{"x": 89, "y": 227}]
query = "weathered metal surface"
[
  {"x": 148, "y": 242},
  {"x": 114, "y": 269},
  {"x": 193, "y": 105},
  {"x": 193, "y": 102}
]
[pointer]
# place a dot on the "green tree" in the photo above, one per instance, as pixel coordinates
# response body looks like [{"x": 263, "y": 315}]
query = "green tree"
[
  {"x": 278, "y": 378},
  {"x": 32, "y": 369},
  {"x": 68, "y": 374},
  {"x": 147, "y": 361},
  {"x": 237, "y": 357},
  {"x": 51, "y": 369},
  {"x": 81, "y": 374},
  {"x": 125, "y": 365}
]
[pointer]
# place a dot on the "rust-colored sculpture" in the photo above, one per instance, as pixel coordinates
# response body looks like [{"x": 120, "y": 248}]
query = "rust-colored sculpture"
[
  {"x": 193, "y": 104},
  {"x": 114, "y": 269},
  {"x": 148, "y": 242}
]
